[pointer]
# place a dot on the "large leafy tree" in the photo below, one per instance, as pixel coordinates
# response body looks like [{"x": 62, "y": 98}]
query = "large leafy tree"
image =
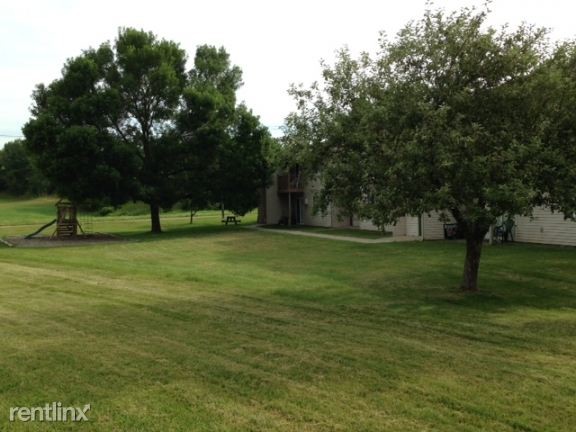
[
  {"x": 555, "y": 166},
  {"x": 128, "y": 121},
  {"x": 18, "y": 173},
  {"x": 244, "y": 165},
  {"x": 452, "y": 116},
  {"x": 210, "y": 102}
]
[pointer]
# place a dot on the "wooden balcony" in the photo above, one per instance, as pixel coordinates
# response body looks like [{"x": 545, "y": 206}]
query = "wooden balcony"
[{"x": 290, "y": 183}]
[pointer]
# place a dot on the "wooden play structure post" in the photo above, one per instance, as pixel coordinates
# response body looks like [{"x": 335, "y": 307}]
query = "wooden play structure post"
[{"x": 67, "y": 219}]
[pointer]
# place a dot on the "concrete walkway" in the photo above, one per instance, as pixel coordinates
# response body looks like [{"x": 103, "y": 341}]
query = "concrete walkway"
[{"x": 337, "y": 237}]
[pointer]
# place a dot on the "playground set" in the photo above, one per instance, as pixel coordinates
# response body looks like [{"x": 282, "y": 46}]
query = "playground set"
[{"x": 67, "y": 223}]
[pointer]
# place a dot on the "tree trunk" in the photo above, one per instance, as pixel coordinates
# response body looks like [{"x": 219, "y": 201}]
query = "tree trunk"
[
  {"x": 192, "y": 213},
  {"x": 155, "y": 218},
  {"x": 222, "y": 209},
  {"x": 474, "y": 242}
]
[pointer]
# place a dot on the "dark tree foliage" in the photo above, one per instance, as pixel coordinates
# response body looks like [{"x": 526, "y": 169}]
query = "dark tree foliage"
[
  {"x": 452, "y": 116},
  {"x": 244, "y": 166},
  {"x": 207, "y": 121},
  {"x": 18, "y": 173},
  {"x": 128, "y": 122}
]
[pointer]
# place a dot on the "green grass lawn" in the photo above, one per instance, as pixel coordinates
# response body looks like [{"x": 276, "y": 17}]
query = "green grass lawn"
[
  {"x": 342, "y": 232},
  {"x": 20, "y": 216},
  {"x": 24, "y": 211},
  {"x": 213, "y": 328}
]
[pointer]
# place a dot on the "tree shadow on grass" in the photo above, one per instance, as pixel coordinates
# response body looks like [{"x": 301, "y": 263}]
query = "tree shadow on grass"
[
  {"x": 422, "y": 277},
  {"x": 181, "y": 232}
]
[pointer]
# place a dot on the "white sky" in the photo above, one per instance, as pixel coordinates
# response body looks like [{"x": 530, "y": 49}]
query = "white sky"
[{"x": 274, "y": 42}]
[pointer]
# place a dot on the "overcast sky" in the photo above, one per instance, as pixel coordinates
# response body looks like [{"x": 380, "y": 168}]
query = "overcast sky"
[{"x": 274, "y": 42}]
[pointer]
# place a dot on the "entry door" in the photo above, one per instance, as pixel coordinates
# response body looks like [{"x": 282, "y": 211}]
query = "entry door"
[
  {"x": 412, "y": 226},
  {"x": 297, "y": 210}
]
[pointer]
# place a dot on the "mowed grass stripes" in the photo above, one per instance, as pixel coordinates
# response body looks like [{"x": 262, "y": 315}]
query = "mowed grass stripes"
[{"x": 212, "y": 328}]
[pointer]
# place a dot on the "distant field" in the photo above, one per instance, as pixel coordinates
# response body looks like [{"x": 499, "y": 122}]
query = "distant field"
[
  {"x": 222, "y": 328},
  {"x": 26, "y": 211},
  {"x": 23, "y": 216}
]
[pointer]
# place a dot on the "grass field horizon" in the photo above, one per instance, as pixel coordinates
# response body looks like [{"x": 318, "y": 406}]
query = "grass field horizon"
[
  {"x": 22, "y": 216},
  {"x": 221, "y": 328}
]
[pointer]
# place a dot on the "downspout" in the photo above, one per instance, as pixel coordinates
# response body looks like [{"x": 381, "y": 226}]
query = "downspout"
[{"x": 421, "y": 226}]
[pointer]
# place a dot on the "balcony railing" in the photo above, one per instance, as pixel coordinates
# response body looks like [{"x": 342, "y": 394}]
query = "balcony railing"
[{"x": 290, "y": 183}]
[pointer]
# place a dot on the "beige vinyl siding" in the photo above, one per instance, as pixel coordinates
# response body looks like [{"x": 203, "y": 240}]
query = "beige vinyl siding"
[
  {"x": 339, "y": 218},
  {"x": 367, "y": 224},
  {"x": 432, "y": 227},
  {"x": 545, "y": 227},
  {"x": 309, "y": 217},
  {"x": 399, "y": 230},
  {"x": 274, "y": 206},
  {"x": 314, "y": 219}
]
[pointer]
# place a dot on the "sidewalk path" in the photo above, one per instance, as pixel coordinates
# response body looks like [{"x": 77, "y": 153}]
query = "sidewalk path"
[{"x": 337, "y": 237}]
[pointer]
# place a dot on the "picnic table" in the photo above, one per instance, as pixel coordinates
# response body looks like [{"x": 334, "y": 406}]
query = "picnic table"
[{"x": 231, "y": 219}]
